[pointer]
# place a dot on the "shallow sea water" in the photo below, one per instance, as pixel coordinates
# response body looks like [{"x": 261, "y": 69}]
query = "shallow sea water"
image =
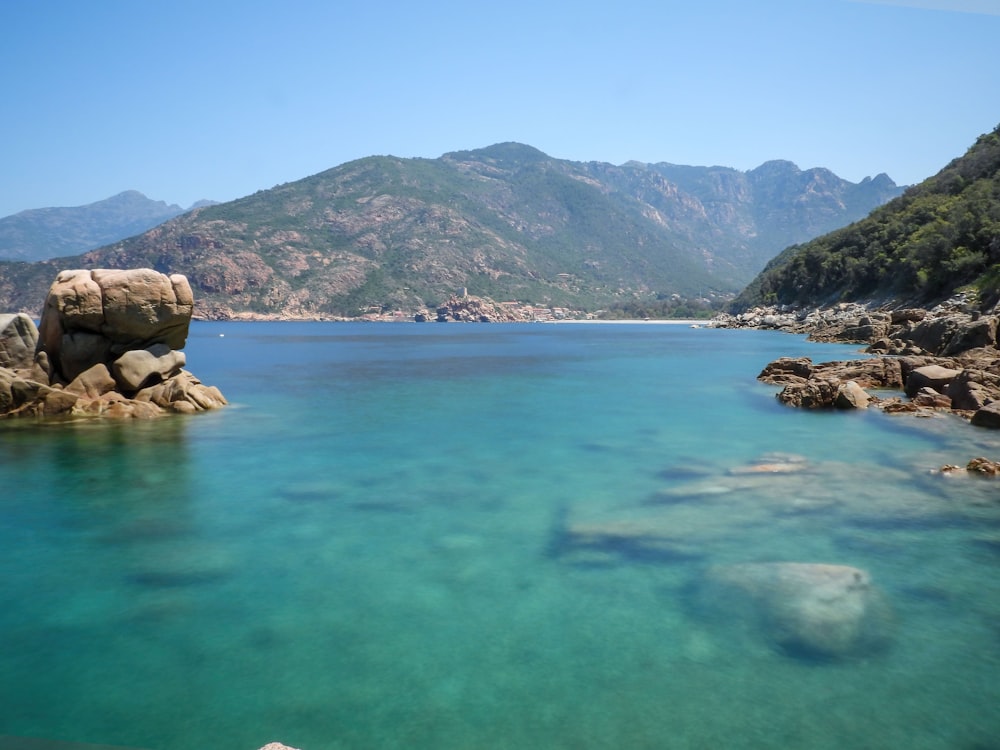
[{"x": 383, "y": 543}]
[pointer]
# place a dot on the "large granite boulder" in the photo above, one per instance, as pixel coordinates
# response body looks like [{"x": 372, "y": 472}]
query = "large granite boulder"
[
  {"x": 930, "y": 376},
  {"x": 93, "y": 383},
  {"x": 988, "y": 416},
  {"x": 91, "y": 315},
  {"x": 107, "y": 345},
  {"x": 809, "y": 610}
]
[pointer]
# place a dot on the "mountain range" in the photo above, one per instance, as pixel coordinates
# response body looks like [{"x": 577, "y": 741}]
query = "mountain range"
[
  {"x": 506, "y": 222},
  {"x": 42, "y": 233},
  {"x": 939, "y": 237}
]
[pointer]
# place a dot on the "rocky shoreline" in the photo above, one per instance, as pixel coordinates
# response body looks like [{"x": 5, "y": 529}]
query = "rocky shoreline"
[{"x": 922, "y": 362}]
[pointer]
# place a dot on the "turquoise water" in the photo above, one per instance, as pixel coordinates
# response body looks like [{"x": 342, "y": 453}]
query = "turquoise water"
[{"x": 383, "y": 543}]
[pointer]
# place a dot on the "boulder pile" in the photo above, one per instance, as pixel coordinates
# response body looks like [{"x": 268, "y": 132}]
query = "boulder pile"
[
  {"x": 946, "y": 330},
  {"x": 943, "y": 359},
  {"x": 108, "y": 344},
  {"x": 963, "y": 385}
]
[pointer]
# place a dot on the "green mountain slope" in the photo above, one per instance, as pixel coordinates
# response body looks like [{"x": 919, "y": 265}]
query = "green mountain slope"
[
  {"x": 940, "y": 236},
  {"x": 506, "y": 222}
]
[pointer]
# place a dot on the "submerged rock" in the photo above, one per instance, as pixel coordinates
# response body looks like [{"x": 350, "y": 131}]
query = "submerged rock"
[
  {"x": 809, "y": 610},
  {"x": 610, "y": 542}
]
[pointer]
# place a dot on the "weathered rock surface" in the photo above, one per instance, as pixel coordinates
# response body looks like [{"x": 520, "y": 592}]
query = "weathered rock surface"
[
  {"x": 18, "y": 341},
  {"x": 106, "y": 346},
  {"x": 850, "y": 395},
  {"x": 810, "y": 610},
  {"x": 988, "y": 416},
  {"x": 959, "y": 384},
  {"x": 140, "y": 367},
  {"x": 934, "y": 377},
  {"x": 90, "y": 315}
]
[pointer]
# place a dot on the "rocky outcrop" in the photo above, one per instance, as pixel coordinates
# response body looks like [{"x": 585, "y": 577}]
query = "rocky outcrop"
[
  {"x": 107, "y": 345},
  {"x": 945, "y": 358},
  {"x": 831, "y": 384},
  {"x": 810, "y": 610},
  {"x": 947, "y": 330},
  {"x": 960, "y": 385},
  {"x": 469, "y": 309},
  {"x": 93, "y": 316}
]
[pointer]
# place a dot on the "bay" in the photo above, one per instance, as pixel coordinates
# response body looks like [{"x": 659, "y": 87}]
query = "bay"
[{"x": 453, "y": 536}]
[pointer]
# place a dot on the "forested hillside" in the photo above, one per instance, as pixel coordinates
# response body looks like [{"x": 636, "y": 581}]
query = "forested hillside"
[{"x": 939, "y": 237}]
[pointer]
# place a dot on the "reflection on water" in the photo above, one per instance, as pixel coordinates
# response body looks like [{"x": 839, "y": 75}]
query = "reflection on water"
[{"x": 499, "y": 536}]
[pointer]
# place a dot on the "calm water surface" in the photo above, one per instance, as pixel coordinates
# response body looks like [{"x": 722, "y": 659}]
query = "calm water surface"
[{"x": 381, "y": 544}]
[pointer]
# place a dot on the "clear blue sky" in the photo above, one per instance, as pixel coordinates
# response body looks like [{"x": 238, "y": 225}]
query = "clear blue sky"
[{"x": 216, "y": 99}]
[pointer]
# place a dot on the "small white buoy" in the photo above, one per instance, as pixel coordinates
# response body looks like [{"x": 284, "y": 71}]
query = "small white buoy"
[{"x": 222, "y": 335}]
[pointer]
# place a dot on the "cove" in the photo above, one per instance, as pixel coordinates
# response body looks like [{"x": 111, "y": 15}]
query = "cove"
[{"x": 453, "y": 536}]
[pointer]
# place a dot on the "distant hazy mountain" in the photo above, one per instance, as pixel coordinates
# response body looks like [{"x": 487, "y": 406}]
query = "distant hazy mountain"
[
  {"x": 42, "y": 233},
  {"x": 938, "y": 237},
  {"x": 507, "y": 222}
]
